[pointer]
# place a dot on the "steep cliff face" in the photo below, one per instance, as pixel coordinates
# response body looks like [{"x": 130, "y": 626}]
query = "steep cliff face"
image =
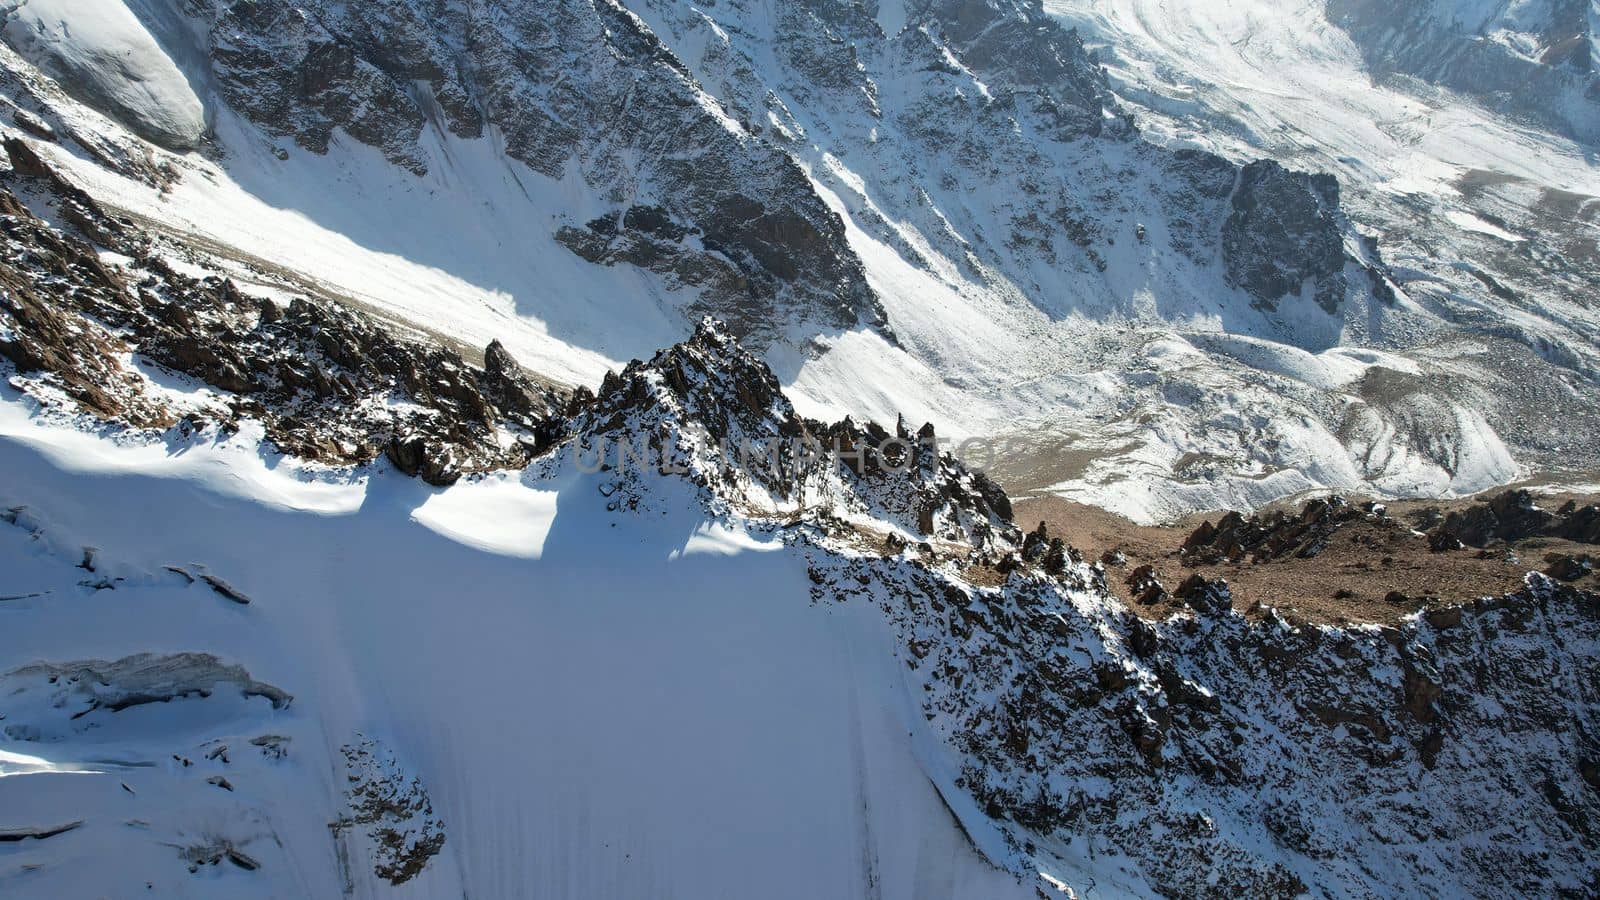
[{"x": 565, "y": 85}]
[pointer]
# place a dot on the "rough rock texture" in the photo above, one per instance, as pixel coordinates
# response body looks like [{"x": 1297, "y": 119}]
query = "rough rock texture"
[
  {"x": 328, "y": 383},
  {"x": 568, "y": 84},
  {"x": 1217, "y": 755},
  {"x": 989, "y": 129},
  {"x": 389, "y": 811},
  {"x": 1283, "y": 233},
  {"x": 1212, "y": 755},
  {"x": 710, "y": 410},
  {"x": 1276, "y": 534},
  {"x": 282, "y": 68},
  {"x": 1020, "y": 50},
  {"x": 1220, "y": 758},
  {"x": 1514, "y": 515},
  {"x": 705, "y": 135}
]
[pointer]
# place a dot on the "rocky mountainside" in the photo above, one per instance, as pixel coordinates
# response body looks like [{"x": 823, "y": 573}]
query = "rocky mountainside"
[
  {"x": 1485, "y": 213},
  {"x": 1050, "y": 739},
  {"x": 945, "y": 209},
  {"x": 704, "y": 164}
]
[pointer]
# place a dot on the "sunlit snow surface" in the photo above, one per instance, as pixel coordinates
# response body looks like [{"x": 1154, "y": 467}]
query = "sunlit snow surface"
[
  {"x": 104, "y": 49},
  {"x": 599, "y": 705},
  {"x": 1277, "y": 77}
]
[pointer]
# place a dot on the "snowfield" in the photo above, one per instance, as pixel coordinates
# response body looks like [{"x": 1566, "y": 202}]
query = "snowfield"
[
  {"x": 598, "y": 705},
  {"x": 1279, "y": 78},
  {"x": 105, "y": 50}
]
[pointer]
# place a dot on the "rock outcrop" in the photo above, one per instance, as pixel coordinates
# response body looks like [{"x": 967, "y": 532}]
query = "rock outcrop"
[
  {"x": 711, "y": 411},
  {"x": 565, "y": 84},
  {"x": 1276, "y": 534},
  {"x": 1283, "y": 235},
  {"x": 328, "y": 384},
  {"x": 390, "y": 813},
  {"x": 1516, "y": 515}
]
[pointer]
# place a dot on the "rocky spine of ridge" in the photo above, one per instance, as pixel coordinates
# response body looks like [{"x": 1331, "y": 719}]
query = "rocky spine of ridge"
[
  {"x": 1214, "y": 756},
  {"x": 1071, "y": 720},
  {"x": 328, "y": 384},
  {"x": 333, "y": 387},
  {"x": 710, "y": 410}
]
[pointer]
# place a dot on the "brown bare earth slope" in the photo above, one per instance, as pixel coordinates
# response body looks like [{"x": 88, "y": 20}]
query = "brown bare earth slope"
[{"x": 1339, "y": 562}]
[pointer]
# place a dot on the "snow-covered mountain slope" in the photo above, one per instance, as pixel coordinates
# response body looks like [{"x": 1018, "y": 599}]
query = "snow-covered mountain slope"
[
  {"x": 1488, "y": 223},
  {"x": 676, "y": 653},
  {"x": 1532, "y": 60},
  {"x": 632, "y": 629},
  {"x": 936, "y": 209},
  {"x": 106, "y": 53},
  {"x": 648, "y": 706}
]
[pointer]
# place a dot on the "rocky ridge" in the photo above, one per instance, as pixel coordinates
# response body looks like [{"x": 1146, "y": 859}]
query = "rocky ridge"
[
  {"x": 333, "y": 387},
  {"x": 327, "y": 383},
  {"x": 712, "y": 412},
  {"x": 1083, "y": 729},
  {"x": 1077, "y": 729}
]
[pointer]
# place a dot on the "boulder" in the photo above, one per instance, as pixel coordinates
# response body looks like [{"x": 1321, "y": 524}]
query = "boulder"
[
  {"x": 421, "y": 458},
  {"x": 1209, "y": 597}
]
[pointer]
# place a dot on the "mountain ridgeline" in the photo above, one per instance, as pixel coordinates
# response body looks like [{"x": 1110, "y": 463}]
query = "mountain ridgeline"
[{"x": 1209, "y": 754}]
